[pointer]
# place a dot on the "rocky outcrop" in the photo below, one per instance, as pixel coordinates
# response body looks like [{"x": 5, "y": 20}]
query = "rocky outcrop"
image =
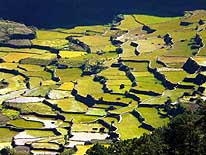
[
  {"x": 15, "y": 34},
  {"x": 80, "y": 44}
]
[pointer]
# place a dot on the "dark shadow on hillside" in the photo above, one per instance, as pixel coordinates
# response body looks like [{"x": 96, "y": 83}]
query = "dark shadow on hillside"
[{"x": 68, "y": 13}]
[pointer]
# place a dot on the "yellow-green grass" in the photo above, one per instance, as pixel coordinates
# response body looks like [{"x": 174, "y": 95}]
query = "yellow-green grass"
[
  {"x": 200, "y": 60},
  {"x": 150, "y": 44},
  {"x": 166, "y": 27},
  {"x": 23, "y": 50},
  {"x": 5, "y": 76},
  {"x": 10, "y": 95},
  {"x": 152, "y": 117},
  {"x": 54, "y": 139},
  {"x": 38, "y": 108},
  {"x": 123, "y": 110},
  {"x": 2, "y": 54},
  {"x": 83, "y": 29},
  {"x": 58, "y": 94},
  {"x": 37, "y": 61},
  {"x": 50, "y": 35},
  {"x": 112, "y": 72},
  {"x": 137, "y": 66},
  {"x": 7, "y": 65},
  {"x": 86, "y": 127},
  {"x": 129, "y": 130},
  {"x": 34, "y": 82},
  {"x": 39, "y": 91},
  {"x": 115, "y": 82},
  {"x": 41, "y": 74},
  {"x": 71, "y": 54},
  {"x": 142, "y": 74},
  {"x": 117, "y": 98},
  {"x": 110, "y": 120},
  {"x": 173, "y": 61},
  {"x": 129, "y": 23},
  {"x": 143, "y": 97},
  {"x": 69, "y": 74},
  {"x": 51, "y": 42},
  {"x": 52, "y": 146},
  {"x": 96, "y": 42},
  {"x": 10, "y": 113},
  {"x": 49, "y": 83},
  {"x": 202, "y": 52},
  {"x": 29, "y": 67},
  {"x": 79, "y": 118},
  {"x": 22, "y": 123},
  {"x": 151, "y": 56},
  {"x": 16, "y": 57},
  {"x": 116, "y": 88},
  {"x": 195, "y": 16},
  {"x": 62, "y": 131},
  {"x": 149, "y": 83},
  {"x": 40, "y": 133},
  {"x": 174, "y": 76},
  {"x": 96, "y": 112},
  {"x": 5, "y": 144},
  {"x": 86, "y": 86},
  {"x": 181, "y": 49},
  {"x": 116, "y": 77},
  {"x": 172, "y": 94},
  {"x": 67, "y": 86},
  {"x": 15, "y": 83},
  {"x": 147, "y": 19},
  {"x": 6, "y": 135},
  {"x": 69, "y": 105},
  {"x": 81, "y": 149},
  {"x": 128, "y": 50},
  {"x": 45, "y": 56},
  {"x": 183, "y": 34}
]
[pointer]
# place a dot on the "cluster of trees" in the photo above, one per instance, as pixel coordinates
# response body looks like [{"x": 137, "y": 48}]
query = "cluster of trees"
[
  {"x": 92, "y": 68},
  {"x": 184, "y": 135}
]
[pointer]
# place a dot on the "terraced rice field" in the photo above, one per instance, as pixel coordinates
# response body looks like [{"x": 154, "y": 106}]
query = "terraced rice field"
[{"x": 51, "y": 101}]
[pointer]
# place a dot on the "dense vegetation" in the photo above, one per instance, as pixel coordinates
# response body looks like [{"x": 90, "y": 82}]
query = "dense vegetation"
[{"x": 184, "y": 135}]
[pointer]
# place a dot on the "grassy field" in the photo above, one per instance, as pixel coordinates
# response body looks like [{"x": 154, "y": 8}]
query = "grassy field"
[
  {"x": 44, "y": 93},
  {"x": 129, "y": 130}
]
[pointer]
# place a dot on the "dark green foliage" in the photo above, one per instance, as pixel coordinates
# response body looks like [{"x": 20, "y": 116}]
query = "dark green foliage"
[
  {"x": 68, "y": 152},
  {"x": 97, "y": 150},
  {"x": 184, "y": 135},
  {"x": 11, "y": 151},
  {"x": 89, "y": 69}
]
